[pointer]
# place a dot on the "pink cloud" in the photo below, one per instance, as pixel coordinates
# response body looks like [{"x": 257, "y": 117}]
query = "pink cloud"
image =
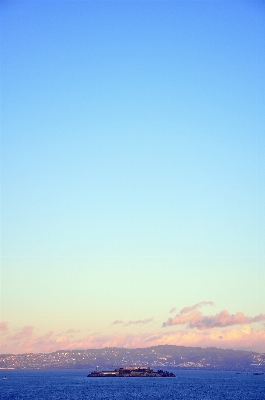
[
  {"x": 195, "y": 319},
  {"x": 172, "y": 310},
  {"x": 224, "y": 319},
  {"x": 3, "y": 326},
  {"x": 25, "y": 333},
  {"x": 186, "y": 310},
  {"x": 180, "y": 319}
]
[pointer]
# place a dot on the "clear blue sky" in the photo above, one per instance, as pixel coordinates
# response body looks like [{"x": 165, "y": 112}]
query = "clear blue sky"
[{"x": 132, "y": 161}]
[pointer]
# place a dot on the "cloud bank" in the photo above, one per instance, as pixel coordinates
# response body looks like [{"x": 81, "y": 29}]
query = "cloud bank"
[{"x": 244, "y": 338}]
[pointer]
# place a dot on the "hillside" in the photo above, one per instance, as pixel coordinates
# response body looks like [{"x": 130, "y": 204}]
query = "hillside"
[{"x": 178, "y": 357}]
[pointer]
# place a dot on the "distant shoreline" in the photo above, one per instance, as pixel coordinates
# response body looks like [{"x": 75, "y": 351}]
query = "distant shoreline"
[{"x": 157, "y": 357}]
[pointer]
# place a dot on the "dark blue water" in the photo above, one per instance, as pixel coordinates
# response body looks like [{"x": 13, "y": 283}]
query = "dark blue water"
[{"x": 73, "y": 384}]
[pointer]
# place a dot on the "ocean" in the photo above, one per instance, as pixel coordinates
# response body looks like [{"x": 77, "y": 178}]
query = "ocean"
[{"x": 74, "y": 385}]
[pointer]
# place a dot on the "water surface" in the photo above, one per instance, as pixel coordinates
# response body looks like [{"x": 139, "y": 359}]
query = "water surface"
[{"x": 74, "y": 384}]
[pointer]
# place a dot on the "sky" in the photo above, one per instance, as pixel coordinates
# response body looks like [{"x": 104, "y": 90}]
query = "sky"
[{"x": 132, "y": 174}]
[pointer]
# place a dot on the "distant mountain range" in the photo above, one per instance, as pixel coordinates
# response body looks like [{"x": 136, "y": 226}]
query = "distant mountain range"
[{"x": 175, "y": 357}]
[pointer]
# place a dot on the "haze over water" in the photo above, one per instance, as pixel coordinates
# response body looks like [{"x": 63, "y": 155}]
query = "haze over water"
[{"x": 132, "y": 174}]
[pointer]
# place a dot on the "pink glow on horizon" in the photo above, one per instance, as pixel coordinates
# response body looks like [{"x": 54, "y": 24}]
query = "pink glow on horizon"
[
  {"x": 243, "y": 338},
  {"x": 3, "y": 326},
  {"x": 24, "y": 333}
]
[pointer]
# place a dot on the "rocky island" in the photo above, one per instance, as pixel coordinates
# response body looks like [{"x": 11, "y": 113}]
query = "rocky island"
[{"x": 127, "y": 372}]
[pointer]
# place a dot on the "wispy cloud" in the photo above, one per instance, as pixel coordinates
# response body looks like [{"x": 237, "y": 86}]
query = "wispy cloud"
[
  {"x": 136, "y": 322},
  {"x": 173, "y": 310},
  {"x": 139, "y": 321},
  {"x": 186, "y": 310},
  {"x": 71, "y": 330}
]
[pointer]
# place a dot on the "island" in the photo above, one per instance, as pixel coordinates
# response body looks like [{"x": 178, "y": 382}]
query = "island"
[{"x": 135, "y": 372}]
